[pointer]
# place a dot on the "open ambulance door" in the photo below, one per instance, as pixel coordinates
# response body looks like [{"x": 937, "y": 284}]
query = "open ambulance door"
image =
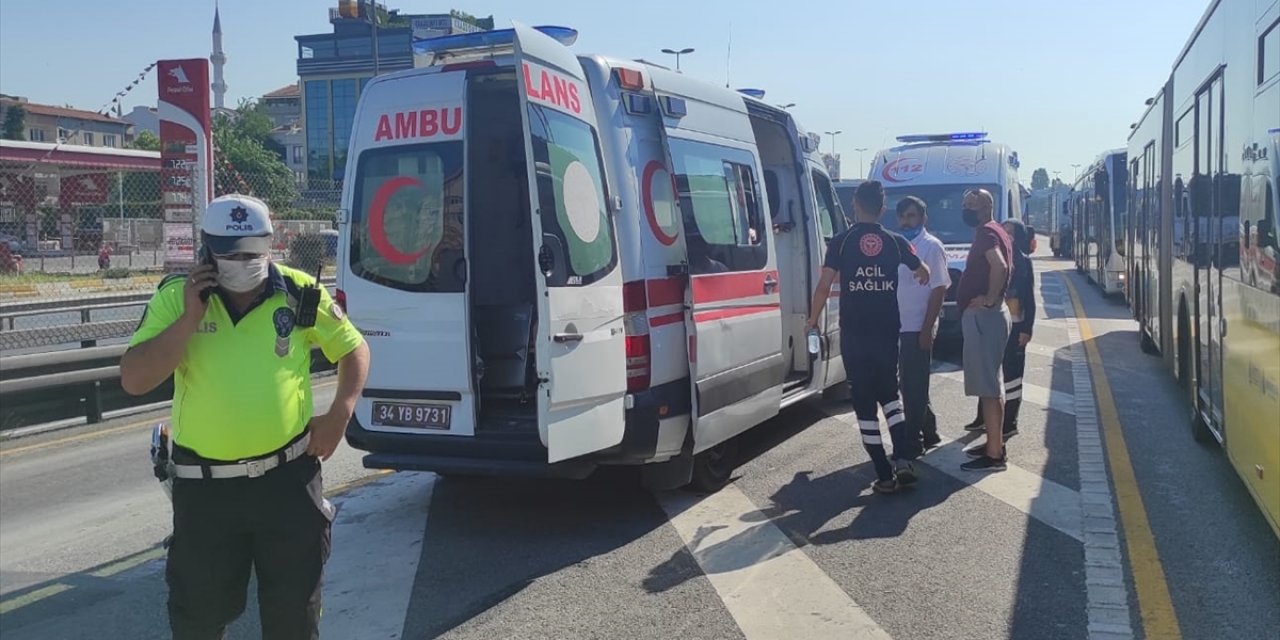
[{"x": 580, "y": 341}]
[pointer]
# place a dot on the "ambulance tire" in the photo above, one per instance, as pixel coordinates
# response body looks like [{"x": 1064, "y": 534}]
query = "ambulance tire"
[{"x": 713, "y": 468}]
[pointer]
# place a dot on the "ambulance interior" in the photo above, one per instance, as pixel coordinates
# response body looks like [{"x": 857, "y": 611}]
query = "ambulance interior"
[
  {"x": 786, "y": 206},
  {"x": 502, "y": 287}
]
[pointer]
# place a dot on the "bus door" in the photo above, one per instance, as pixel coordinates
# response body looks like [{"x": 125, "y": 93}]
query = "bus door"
[
  {"x": 1208, "y": 266},
  {"x": 580, "y": 347}
]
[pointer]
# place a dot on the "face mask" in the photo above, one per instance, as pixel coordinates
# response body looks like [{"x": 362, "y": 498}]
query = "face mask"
[
  {"x": 911, "y": 233},
  {"x": 971, "y": 217},
  {"x": 239, "y": 276}
]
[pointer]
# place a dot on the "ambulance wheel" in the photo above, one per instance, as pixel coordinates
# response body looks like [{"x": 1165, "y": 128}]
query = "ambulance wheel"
[{"x": 713, "y": 468}]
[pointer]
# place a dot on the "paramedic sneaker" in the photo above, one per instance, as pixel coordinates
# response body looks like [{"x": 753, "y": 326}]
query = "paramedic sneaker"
[
  {"x": 931, "y": 440},
  {"x": 986, "y": 463},
  {"x": 906, "y": 473},
  {"x": 885, "y": 486},
  {"x": 976, "y": 425}
]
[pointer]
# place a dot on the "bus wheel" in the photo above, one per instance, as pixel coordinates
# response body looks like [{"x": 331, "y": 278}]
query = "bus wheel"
[
  {"x": 1200, "y": 431},
  {"x": 713, "y": 468}
]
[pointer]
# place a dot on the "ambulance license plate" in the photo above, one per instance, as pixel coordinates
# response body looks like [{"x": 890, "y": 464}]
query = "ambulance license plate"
[{"x": 404, "y": 414}]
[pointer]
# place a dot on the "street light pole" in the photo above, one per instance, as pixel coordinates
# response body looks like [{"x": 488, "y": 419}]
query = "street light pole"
[
  {"x": 1076, "y": 175},
  {"x": 677, "y": 53},
  {"x": 833, "y": 135},
  {"x": 861, "y": 169}
]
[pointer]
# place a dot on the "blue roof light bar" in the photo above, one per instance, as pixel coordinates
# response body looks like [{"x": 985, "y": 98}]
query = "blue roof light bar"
[
  {"x": 967, "y": 136},
  {"x": 497, "y": 39},
  {"x": 758, "y": 94}
]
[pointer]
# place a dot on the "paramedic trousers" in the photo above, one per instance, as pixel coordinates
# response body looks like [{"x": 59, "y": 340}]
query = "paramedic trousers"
[
  {"x": 871, "y": 365},
  {"x": 915, "y": 367},
  {"x": 278, "y": 525}
]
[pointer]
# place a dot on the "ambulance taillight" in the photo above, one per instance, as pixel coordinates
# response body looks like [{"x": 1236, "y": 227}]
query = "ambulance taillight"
[{"x": 635, "y": 307}]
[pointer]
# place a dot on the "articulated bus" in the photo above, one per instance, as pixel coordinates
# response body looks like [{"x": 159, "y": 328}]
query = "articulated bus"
[
  {"x": 1099, "y": 208},
  {"x": 1204, "y": 162}
]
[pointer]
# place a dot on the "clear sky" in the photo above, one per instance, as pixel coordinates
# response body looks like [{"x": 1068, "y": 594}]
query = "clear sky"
[{"x": 1059, "y": 81}]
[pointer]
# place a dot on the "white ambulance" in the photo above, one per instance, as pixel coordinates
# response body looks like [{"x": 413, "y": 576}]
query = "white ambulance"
[
  {"x": 564, "y": 261},
  {"x": 939, "y": 168}
]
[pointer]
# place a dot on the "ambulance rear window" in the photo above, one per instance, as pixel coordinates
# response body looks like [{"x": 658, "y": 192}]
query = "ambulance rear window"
[{"x": 406, "y": 219}]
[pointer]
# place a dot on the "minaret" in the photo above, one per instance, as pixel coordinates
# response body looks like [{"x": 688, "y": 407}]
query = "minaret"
[{"x": 219, "y": 59}]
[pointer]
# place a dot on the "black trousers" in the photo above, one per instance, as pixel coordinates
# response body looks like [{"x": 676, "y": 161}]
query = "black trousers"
[
  {"x": 871, "y": 365},
  {"x": 278, "y": 525}
]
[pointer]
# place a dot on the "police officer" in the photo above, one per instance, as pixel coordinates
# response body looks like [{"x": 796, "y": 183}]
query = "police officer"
[
  {"x": 865, "y": 258},
  {"x": 236, "y": 335}
]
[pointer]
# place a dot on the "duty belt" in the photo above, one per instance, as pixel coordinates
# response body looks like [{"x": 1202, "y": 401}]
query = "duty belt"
[{"x": 252, "y": 468}]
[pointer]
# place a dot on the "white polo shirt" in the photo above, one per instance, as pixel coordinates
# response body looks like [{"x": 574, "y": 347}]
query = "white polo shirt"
[{"x": 913, "y": 297}]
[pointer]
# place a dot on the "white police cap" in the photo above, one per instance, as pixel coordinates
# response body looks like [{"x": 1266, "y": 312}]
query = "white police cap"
[{"x": 237, "y": 223}]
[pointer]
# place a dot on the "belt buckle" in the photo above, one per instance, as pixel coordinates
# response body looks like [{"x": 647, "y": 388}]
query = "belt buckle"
[{"x": 256, "y": 468}]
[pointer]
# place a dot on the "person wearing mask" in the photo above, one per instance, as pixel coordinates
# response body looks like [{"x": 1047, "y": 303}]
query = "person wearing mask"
[
  {"x": 919, "y": 306},
  {"x": 1022, "y": 301},
  {"x": 985, "y": 322},
  {"x": 236, "y": 334},
  {"x": 865, "y": 258}
]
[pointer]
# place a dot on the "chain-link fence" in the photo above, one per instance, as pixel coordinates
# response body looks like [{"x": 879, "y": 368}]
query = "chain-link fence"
[{"x": 82, "y": 248}]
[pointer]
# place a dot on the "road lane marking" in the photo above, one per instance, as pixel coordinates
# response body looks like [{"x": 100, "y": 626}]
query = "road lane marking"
[
  {"x": 771, "y": 588},
  {"x": 378, "y": 537},
  {"x": 120, "y": 566},
  {"x": 1040, "y": 498},
  {"x": 106, "y": 432},
  {"x": 1107, "y": 593},
  {"x": 35, "y": 596}
]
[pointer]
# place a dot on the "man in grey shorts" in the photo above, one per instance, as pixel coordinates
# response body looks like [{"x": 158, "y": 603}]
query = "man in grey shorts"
[{"x": 985, "y": 322}]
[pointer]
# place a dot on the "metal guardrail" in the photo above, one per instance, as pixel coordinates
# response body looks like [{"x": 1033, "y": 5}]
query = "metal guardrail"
[
  {"x": 31, "y": 372},
  {"x": 69, "y": 368}
]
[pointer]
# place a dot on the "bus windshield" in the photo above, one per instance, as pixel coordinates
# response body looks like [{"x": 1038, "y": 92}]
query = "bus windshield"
[{"x": 945, "y": 203}]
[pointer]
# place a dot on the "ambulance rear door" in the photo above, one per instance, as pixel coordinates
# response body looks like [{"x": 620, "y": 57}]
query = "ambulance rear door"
[
  {"x": 581, "y": 344},
  {"x": 402, "y": 266}
]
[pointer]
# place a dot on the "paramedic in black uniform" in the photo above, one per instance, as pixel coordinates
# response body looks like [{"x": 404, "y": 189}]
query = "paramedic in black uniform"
[{"x": 866, "y": 259}]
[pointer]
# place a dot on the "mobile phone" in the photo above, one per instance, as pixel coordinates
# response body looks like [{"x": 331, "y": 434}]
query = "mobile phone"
[{"x": 206, "y": 257}]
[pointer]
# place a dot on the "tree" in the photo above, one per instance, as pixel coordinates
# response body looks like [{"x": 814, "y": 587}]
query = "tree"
[
  {"x": 248, "y": 161},
  {"x": 1039, "y": 179},
  {"x": 145, "y": 141},
  {"x": 15, "y": 122}
]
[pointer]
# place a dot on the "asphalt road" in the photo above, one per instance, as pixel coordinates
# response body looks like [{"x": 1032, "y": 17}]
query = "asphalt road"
[{"x": 797, "y": 547}]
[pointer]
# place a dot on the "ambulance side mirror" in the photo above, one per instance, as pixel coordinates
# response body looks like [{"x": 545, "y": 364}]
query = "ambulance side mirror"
[{"x": 551, "y": 260}]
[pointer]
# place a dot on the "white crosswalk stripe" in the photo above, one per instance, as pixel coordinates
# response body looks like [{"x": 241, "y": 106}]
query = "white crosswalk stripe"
[
  {"x": 377, "y": 540},
  {"x": 771, "y": 588},
  {"x": 1033, "y": 393},
  {"x": 1045, "y": 500}
]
